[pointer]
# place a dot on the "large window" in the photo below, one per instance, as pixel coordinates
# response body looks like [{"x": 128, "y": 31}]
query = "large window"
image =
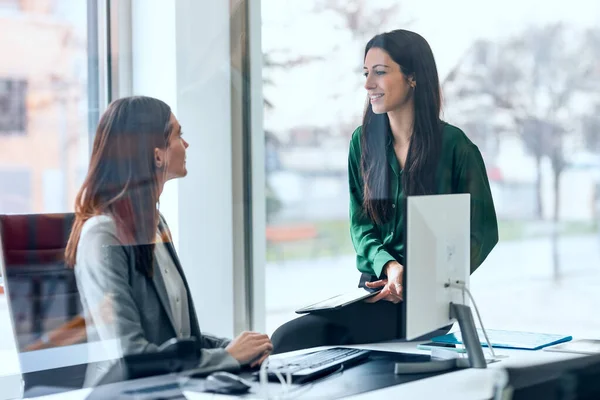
[
  {"x": 509, "y": 81},
  {"x": 43, "y": 104},
  {"x": 44, "y": 148}
]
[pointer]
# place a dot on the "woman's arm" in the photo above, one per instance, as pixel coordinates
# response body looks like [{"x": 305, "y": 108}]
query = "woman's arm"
[
  {"x": 472, "y": 178},
  {"x": 365, "y": 235},
  {"x": 213, "y": 342}
]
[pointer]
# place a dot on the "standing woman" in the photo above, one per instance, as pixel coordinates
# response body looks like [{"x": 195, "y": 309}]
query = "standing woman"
[{"x": 401, "y": 149}]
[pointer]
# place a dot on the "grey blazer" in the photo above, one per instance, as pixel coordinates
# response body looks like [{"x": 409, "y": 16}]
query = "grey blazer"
[{"x": 123, "y": 306}]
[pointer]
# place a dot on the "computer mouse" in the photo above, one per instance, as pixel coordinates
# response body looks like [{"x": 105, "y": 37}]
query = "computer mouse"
[{"x": 226, "y": 383}]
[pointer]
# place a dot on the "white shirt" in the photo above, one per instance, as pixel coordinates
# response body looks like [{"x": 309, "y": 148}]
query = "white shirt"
[{"x": 175, "y": 289}]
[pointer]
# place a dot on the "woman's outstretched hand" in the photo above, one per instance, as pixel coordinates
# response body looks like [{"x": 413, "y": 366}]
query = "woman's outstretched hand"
[{"x": 392, "y": 286}]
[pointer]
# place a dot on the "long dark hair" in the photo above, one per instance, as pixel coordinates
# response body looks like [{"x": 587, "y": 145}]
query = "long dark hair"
[
  {"x": 122, "y": 179},
  {"x": 412, "y": 52}
]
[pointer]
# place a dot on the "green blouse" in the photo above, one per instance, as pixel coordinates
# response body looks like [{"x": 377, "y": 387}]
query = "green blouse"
[{"x": 461, "y": 170}]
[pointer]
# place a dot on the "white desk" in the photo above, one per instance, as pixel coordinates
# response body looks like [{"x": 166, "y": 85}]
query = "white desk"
[{"x": 465, "y": 384}]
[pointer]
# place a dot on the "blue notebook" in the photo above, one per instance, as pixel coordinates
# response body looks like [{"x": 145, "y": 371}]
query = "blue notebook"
[{"x": 509, "y": 339}]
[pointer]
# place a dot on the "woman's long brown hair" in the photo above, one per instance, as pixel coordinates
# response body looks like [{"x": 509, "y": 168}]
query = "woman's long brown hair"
[
  {"x": 122, "y": 178},
  {"x": 412, "y": 52}
]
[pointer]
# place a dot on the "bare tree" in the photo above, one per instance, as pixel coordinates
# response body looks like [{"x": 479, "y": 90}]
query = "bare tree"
[
  {"x": 539, "y": 78},
  {"x": 591, "y": 130},
  {"x": 534, "y": 77},
  {"x": 273, "y": 60},
  {"x": 359, "y": 17},
  {"x": 363, "y": 19}
]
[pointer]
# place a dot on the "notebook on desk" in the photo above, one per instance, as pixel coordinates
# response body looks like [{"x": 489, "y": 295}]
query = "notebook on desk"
[{"x": 509, "y": 339}]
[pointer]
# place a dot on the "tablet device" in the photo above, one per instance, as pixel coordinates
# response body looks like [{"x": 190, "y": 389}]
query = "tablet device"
[{"x": 339, "y": 301}]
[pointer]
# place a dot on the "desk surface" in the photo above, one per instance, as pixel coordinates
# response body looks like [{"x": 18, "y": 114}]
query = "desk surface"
[{"x": 465, "y": 384}]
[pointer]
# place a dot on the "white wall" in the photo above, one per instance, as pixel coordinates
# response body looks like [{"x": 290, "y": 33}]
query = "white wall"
[
  {"x": 154, "y": 74},
  {"x": 205, "y": 196},
  {"x": 181, "y": 54}
]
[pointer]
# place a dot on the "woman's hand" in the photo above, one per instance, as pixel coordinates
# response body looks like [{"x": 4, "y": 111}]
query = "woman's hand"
[
  {"x": 250, "y": 348},
  {"x": 392, "y": 286}
]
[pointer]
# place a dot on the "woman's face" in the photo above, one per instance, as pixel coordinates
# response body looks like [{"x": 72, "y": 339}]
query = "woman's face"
[
  {"x": 172, "y": 159},
  {"x": 387, "y": 87}
]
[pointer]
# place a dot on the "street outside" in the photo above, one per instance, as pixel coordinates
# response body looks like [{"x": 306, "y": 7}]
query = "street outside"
[{"x": 514, "y": 289}]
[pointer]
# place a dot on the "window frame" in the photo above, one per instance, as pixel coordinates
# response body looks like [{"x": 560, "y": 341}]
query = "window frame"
[{"x": 228, "y": 288}]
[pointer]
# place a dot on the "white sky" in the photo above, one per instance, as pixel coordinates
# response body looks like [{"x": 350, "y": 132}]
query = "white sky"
[
  {"x": 73, "y": 11},
  {"x": 303, "y": 95}
]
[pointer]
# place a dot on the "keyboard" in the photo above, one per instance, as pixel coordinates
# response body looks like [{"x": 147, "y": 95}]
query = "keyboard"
[{"x": 307, "y": 367}]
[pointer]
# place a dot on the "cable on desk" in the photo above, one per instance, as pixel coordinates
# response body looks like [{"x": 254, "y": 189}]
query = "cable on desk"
[
  {"x": 461, "y": 285},
  {"x": 288, "y": 392},
  {"x": 264, "y": 382}
]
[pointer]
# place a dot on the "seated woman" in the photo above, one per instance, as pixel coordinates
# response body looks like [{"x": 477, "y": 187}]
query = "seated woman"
[
  {"x": 132, "y": 286},
  {"x": 402, "y": 149}
]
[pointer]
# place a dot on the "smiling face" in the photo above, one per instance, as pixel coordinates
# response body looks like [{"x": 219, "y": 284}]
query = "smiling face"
[
  {"x": 388, "y": 88},
  {"x": 172, "y": 158}
]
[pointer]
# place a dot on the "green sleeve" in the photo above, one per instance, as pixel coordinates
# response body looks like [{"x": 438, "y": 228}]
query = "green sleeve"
[
  {"x": 365, "y": 235},
  {"x": 484, "y": 225}
]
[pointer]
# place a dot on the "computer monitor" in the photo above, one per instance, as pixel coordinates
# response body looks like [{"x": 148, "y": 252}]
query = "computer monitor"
[
  {"x": 438, "y": 243},
  {"x": 438, "y": 246}
]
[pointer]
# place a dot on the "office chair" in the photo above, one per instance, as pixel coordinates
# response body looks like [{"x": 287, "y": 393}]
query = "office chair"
[{"x": 43, "y": 291}]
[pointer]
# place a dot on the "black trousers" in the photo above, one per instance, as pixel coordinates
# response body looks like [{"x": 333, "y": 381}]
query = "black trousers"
[{"x": 355, "y": 324}]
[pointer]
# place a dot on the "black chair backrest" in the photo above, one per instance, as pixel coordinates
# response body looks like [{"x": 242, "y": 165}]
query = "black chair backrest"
[{"x": 43, "y": 292}]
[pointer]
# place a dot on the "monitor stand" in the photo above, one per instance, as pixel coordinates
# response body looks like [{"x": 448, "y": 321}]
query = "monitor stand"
[{"x": 468, "y": 331}]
